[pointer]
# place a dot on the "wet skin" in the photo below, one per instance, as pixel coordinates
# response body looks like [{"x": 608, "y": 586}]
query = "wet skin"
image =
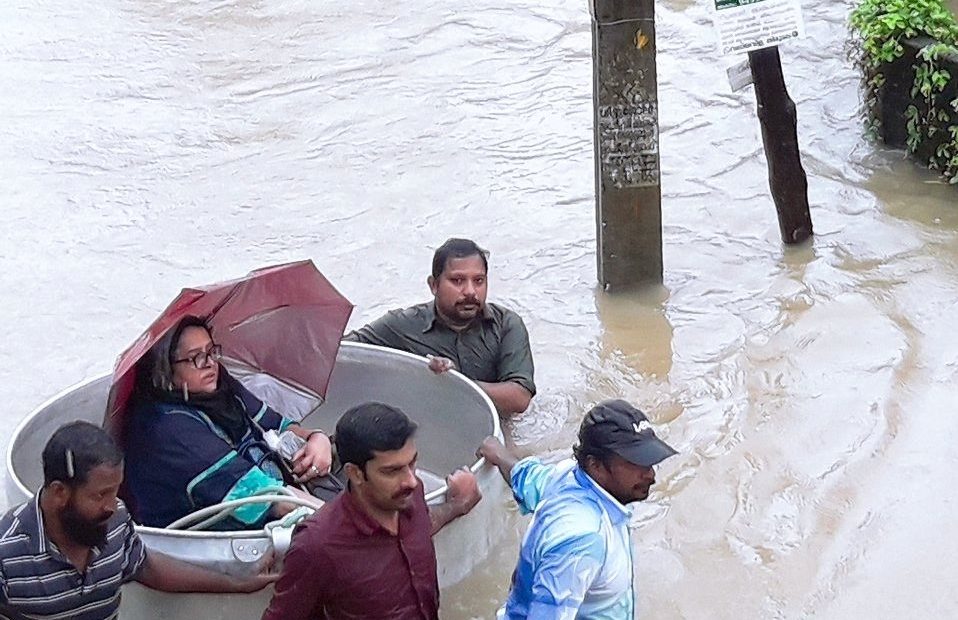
[{"x": 460, "y": 290}]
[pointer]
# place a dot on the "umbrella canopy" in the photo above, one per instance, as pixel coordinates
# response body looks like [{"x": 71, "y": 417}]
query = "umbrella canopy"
[{"x": 285, "y": 321}]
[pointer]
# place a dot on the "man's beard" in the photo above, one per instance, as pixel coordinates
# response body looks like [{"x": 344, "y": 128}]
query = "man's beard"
[
  {"x": 82, "y": 531},
  {"x": 461, "y": 316}
]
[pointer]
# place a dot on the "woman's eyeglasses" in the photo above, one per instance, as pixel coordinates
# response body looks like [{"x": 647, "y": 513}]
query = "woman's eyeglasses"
[{"x": 201, "y": 359}]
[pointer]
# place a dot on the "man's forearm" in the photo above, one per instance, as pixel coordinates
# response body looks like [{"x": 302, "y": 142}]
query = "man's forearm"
[
  {"x": 161, "y": 572},
  {"x": 442, "y": 514},
  {"x": 498, "y": 455},
  {"x": 508, "y": 396}
]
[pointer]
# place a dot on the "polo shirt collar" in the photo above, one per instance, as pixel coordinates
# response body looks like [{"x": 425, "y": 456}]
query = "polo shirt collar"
[
  {"x": 33, "y": 518},
  {"x": 617, "y": 512},
  {"x": 431, "y": 317}
]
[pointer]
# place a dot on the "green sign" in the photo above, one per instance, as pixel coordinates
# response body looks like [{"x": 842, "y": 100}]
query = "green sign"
[
  {"x": 731, "y": 4},
  {"x": 747, "y": 25}
]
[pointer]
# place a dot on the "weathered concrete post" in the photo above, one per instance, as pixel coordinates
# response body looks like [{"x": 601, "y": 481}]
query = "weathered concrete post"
[
  {"x": 777, "y": 116},
  {"x": 626, "y": 134}
]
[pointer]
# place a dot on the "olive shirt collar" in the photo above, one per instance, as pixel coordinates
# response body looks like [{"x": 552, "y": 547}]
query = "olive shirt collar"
[{"x": 432, "y": 317}]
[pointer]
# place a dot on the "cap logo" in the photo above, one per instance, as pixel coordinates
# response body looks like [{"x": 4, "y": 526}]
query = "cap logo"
[{"x": 638, "y": 427}]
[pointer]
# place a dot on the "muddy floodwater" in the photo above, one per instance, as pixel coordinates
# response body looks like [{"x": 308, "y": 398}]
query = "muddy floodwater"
[{"x": 147, "y": 145}]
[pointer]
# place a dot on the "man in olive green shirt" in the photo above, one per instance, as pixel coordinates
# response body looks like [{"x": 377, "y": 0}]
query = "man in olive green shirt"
[{"x": 458, "y": 329}]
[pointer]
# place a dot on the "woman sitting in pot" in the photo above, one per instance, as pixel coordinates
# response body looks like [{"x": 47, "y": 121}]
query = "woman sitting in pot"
[{"x": 195, "y": 436}]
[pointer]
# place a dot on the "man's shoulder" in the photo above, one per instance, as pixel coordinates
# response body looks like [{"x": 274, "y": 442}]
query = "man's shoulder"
[
  {"x": 397, "y": 320},
  {"x": 327, "y": 524},
  {"x": 570, "y": 506},
  {"x": 506, "y": 322},
  {"x": 17, "y": 527},
  {"x": 12, "y": 515},
  {"x": 501, "y": 313},
  {"x": 410, "y": 313},
  {"x": 568, "y": 521}
]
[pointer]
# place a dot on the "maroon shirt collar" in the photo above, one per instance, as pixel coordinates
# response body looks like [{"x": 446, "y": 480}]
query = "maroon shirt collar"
[{"x": 365, "y": 524}]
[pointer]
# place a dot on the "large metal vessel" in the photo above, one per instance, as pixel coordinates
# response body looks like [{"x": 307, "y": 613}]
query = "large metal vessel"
[{"x": 453, "y": 414}]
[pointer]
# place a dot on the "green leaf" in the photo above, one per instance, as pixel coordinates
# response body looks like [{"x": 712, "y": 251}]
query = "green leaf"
[{"x": 878, "y": 27}]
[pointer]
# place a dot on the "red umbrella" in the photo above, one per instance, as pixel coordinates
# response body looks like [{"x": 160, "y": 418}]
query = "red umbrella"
[{"x": 286, "y": 321}]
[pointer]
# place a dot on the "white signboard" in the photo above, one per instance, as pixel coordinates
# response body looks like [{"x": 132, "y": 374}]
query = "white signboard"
[{"x": 746, "y": 25}]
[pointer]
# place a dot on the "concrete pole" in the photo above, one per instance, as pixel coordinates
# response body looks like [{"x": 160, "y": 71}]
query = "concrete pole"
[{"x": 626, "y": 134}]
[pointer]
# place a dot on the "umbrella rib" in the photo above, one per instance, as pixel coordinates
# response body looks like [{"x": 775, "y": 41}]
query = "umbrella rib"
[
  {"x": 229, "y": 296},
  {"x": 256, "y": 317}
]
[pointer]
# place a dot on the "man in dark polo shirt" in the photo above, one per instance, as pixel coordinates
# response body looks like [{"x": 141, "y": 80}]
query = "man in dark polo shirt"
[
  {"x": 66, "y": 553},
  {"x": 368, "y": 554},
  {"x": 458, "y": 329}
]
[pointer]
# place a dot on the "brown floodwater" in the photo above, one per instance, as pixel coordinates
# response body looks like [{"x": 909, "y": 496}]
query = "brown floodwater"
[{"x": 147, "y": 145}]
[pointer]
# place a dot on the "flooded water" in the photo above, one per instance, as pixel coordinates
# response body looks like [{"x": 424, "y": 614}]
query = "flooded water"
[{"x": 151, "y": 144}]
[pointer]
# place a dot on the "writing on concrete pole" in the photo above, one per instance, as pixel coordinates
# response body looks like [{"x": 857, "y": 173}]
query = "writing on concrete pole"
[
  {"x": 629, "y": 139},
  {"x": 748, "y": 25}
]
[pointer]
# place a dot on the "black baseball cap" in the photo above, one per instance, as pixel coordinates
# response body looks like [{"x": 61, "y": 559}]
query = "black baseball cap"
[{"x": 618, "y": 426}]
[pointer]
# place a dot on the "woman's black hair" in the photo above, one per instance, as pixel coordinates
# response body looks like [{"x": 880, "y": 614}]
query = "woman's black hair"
[{"x": 156, "y": 368}]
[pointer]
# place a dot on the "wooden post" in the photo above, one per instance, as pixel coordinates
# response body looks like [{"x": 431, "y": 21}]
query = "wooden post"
[
  {"x": 626, "y": 134},
  {"x": 786, "y": 177}
]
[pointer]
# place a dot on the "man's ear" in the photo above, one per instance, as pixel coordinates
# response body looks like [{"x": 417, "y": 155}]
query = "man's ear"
[
  {"x": 597, "y": 470},
  {"x": 355, "y": 474},
  {"x": 58, "y": 492},
  {"x": 431, "y": 281}
]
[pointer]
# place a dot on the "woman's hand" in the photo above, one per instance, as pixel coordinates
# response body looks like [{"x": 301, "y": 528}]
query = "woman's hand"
[{"x": 314, "y": 459}]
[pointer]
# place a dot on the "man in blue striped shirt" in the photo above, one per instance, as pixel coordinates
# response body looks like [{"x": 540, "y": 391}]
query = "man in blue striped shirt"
[
  {"x": 576, "y": 558},
  {"x": 66, "y": 553}
]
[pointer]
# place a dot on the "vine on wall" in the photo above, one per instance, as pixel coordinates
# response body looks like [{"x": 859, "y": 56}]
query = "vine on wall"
[{"x": 880, "y": 27}]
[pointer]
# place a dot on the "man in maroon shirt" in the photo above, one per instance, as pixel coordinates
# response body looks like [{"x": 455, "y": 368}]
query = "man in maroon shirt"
[{"x": 368, "y": 554}]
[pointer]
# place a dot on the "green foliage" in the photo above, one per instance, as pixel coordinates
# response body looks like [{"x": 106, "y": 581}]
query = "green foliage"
[{"x": 879, "y": 27}]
